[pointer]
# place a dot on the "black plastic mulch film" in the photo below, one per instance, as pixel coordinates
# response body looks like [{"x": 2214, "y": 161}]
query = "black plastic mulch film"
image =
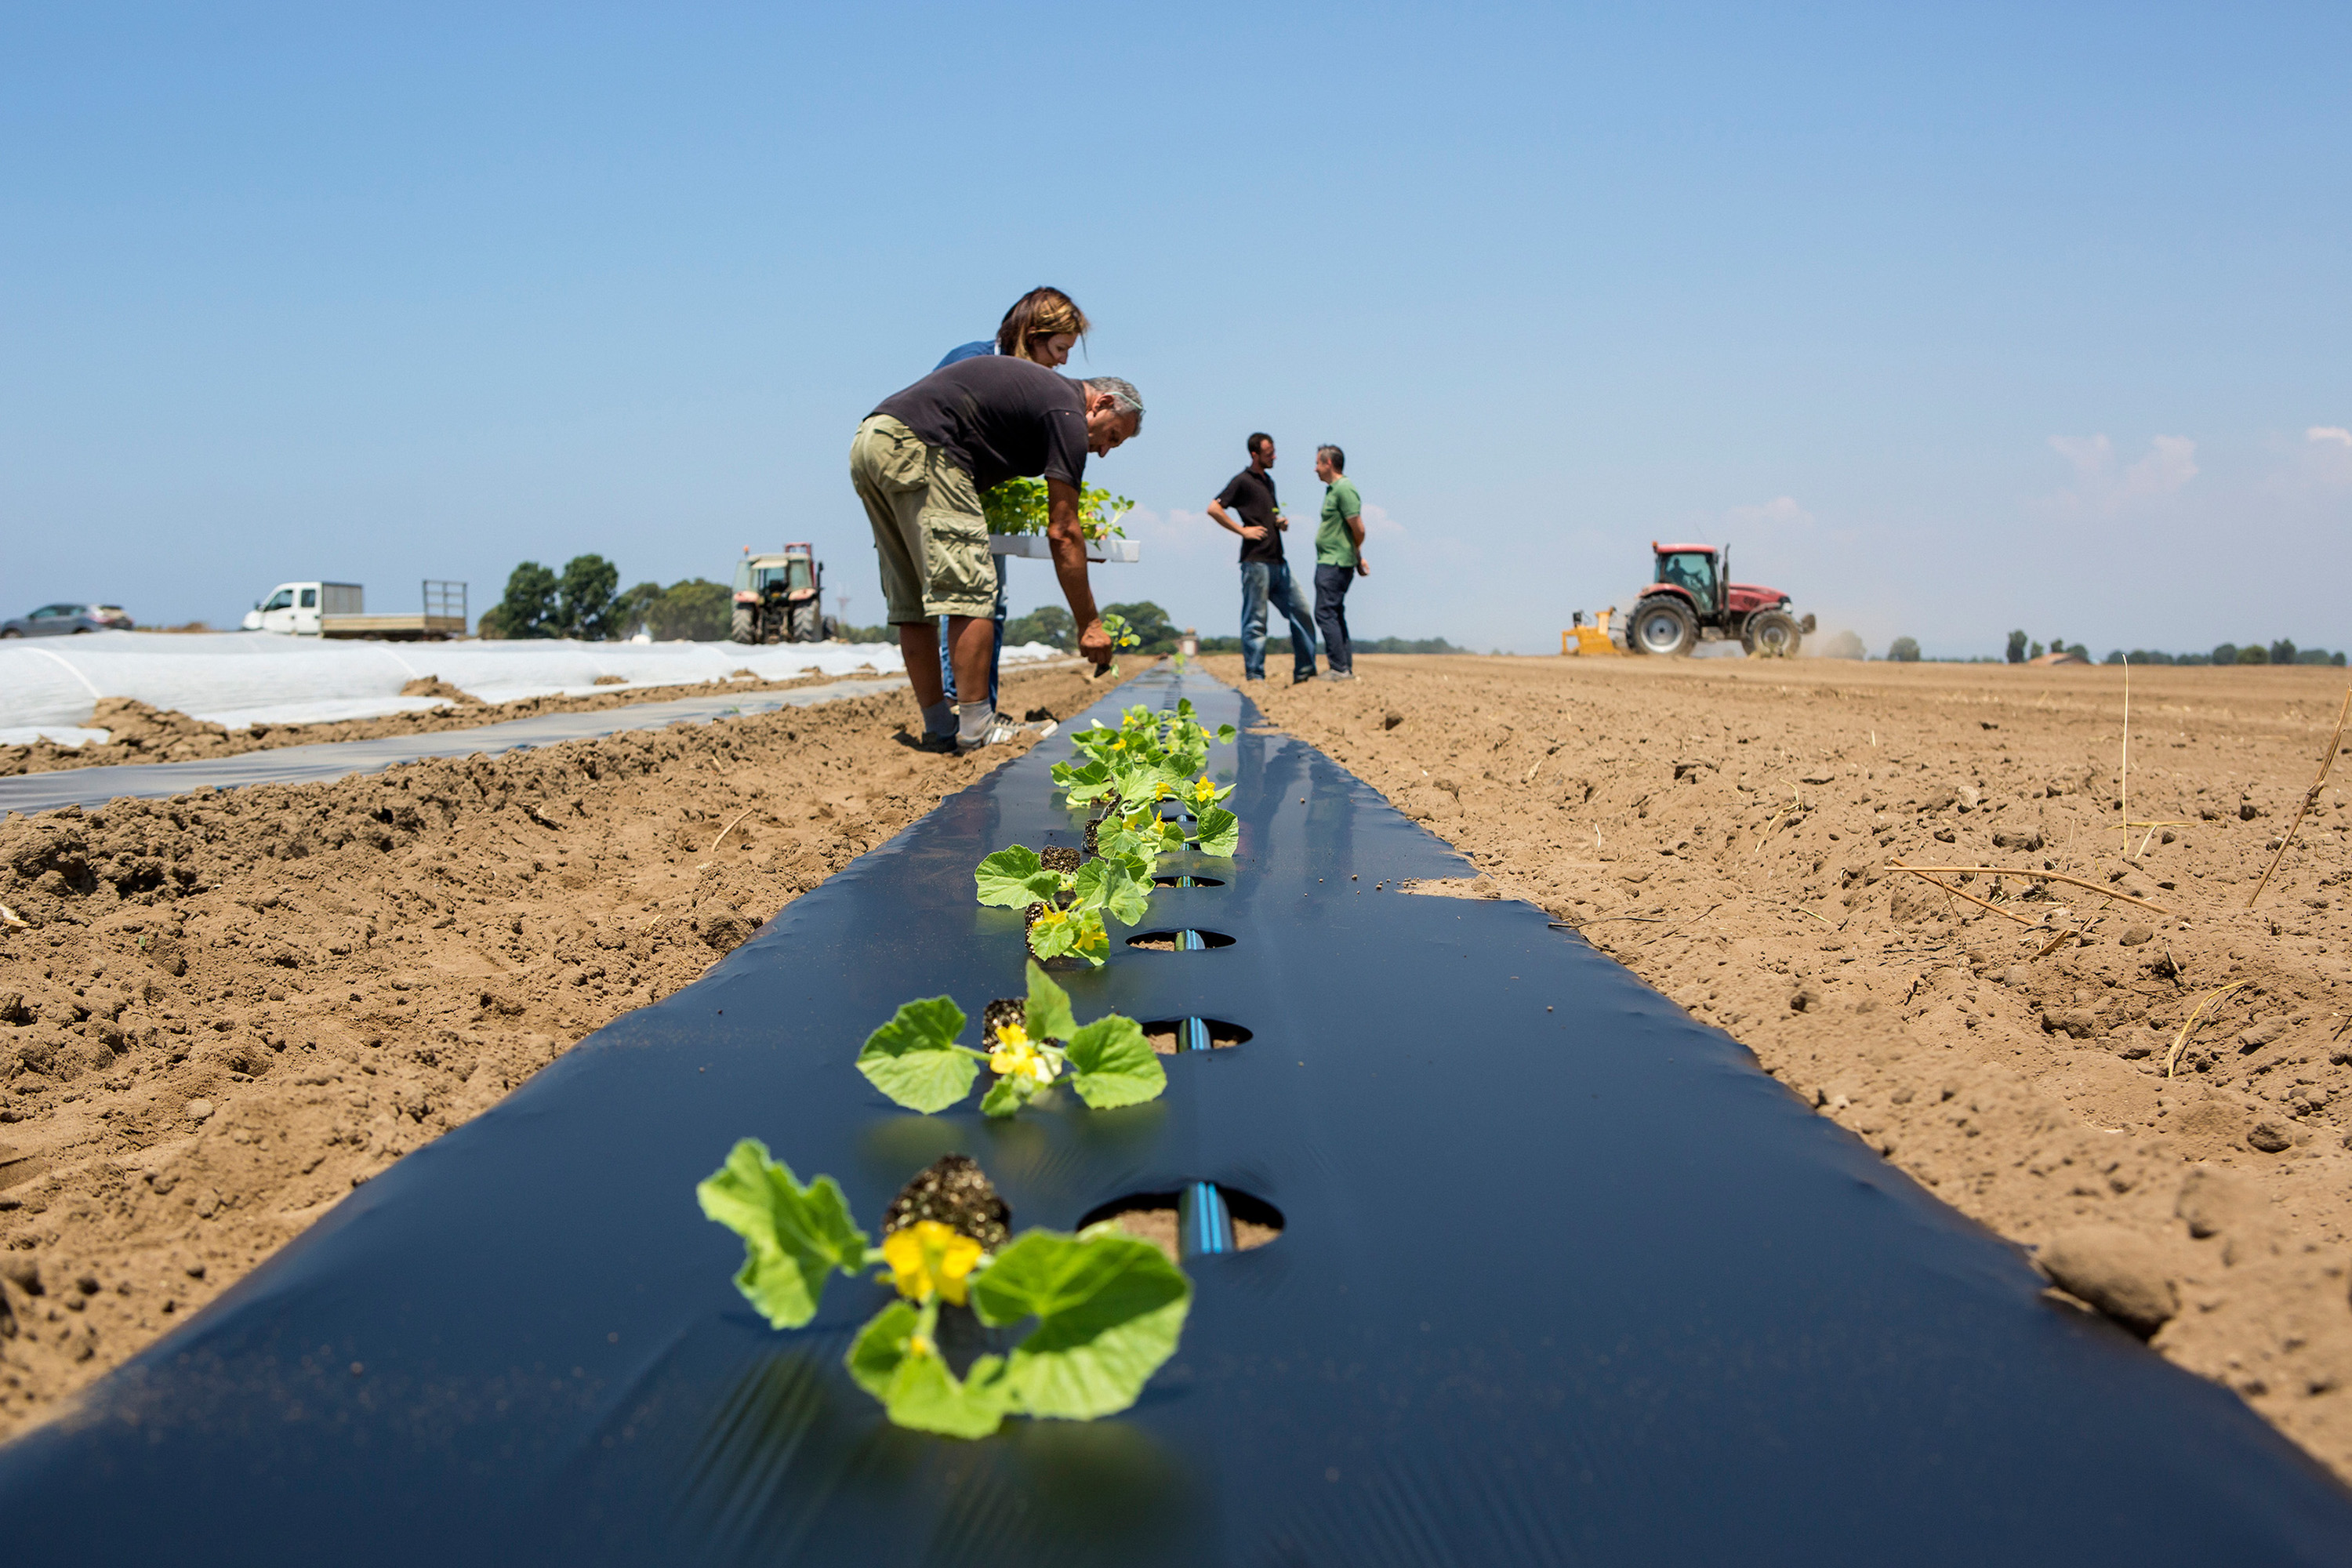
[{"x": 1564, "y": 1277}]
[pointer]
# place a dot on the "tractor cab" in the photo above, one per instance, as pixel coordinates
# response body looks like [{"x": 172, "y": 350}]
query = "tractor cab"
[
  {"x": 1692, "y": 599},
  {"x": 1690, "y": 568},
  {"x": 780, "y": 598}
]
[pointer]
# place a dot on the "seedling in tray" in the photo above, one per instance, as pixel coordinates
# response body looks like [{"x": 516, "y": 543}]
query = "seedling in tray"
[
  {"x": 1027, "y": 1044},
  {"x": 1109, "y": 1309}
]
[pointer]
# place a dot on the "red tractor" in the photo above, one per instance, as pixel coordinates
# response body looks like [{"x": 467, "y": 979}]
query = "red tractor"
[{"x": 1695, "y": 599}]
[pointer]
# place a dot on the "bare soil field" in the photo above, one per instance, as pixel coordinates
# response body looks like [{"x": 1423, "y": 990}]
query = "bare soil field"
[
  {"x": 222, "y": 1011},
  {"x": 1727, "y": 830},
  {"x": 137, "y": 733}
]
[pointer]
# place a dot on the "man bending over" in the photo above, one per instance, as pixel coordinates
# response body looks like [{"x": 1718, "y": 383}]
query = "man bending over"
[{"x": 920, "y": 462}]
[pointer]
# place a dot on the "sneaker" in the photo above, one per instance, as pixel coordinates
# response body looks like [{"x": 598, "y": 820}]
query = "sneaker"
[
  {"x": 1303, "y": 679},
  {"x": 1339, "y": 674},
  {"x": 940, "y": 745}
]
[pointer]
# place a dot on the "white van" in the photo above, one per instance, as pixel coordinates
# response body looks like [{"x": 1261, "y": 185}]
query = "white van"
[{"x": 297, "y": 607}]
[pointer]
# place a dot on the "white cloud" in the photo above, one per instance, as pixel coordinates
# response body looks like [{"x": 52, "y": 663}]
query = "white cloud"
[
  {"x": 1379, "y": 524},
  {"x": 2101, "y": 488},
  {"x": 1781, "y": 511},
  {"x": 2335, "y": 433}
]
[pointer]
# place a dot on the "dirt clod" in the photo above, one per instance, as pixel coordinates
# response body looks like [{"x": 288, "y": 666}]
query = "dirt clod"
[{"x": 2116, "y": 1269}]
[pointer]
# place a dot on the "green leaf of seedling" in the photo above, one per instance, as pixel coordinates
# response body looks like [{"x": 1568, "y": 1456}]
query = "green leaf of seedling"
[
  {"x": 1111, "y": 1064},
  {"x": 793, "y": 1237},
  {"x": 1005, "y": 1096},
  {"x": 915, "y": 1060},
  {"x": 1003, "y": 878},
  {"x": 1220, "y": 832},
  {"x": 1108, "y": 886},
  {"x": 874, "y": 1354},
  {"x": 1092, "y": 941},
  {"x": 1225, "y": 733},
  {"x": 916, "y": 1388},
  {"x": 1046, "y": 1016},
  {"x": 1110, "y": 1312}
]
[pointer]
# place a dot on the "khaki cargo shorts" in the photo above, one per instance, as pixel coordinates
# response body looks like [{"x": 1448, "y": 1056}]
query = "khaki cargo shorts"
[{"x": 928, "y": 529}]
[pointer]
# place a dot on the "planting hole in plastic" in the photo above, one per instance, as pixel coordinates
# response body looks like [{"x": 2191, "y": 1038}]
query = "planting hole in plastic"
[
  {"x": 1175, "y": 1037},
  {"x": 1200, "y": 1219},
  {"x": 1186, "y": 879},
  {"x": 1179, "y": 941}
]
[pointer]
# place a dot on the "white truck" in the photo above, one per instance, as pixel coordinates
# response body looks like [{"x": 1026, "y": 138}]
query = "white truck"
[{"x": 340, "y": 610}]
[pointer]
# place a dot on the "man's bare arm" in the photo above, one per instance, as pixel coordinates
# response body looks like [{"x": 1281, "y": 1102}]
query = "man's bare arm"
[
  {"x": 1355, "y": 526},
  {"x": 1225, "y": 521},
  {"x": 1069, "y": 542}
]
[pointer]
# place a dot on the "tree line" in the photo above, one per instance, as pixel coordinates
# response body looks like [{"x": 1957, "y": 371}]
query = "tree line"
[
  {"x": 2282, "y": 651},
  {"x": 586, "y": 601}
]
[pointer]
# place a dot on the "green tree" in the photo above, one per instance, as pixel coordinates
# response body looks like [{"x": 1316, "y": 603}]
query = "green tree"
[
  {"x": 2252, "y": 653},
  {"x": 1148, "y": 622},
  {"x": 2017, "y": 647},
  {"x": 1904, "y": 650},
  {"x": 586, "y": 598},
  {"x": 696, "y": 609},
  {"x": 634, "y": 607},
  {"x": 2282, "y": 651},
  {"x": 529, "y": 609},
  {"x": 2225, "y": 653},
  {"x": 1047, "y": 624}
]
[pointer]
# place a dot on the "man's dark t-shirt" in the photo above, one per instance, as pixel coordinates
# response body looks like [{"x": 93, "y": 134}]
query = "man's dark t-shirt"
[
  {"x": 998, "y": 418},
  {"x": 1249, "y": 495}
]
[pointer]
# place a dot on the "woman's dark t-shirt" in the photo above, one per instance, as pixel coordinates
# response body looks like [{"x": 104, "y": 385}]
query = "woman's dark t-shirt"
[
  {"x": 998, "y": 418},
  {"x": 1249, "y": 495}
]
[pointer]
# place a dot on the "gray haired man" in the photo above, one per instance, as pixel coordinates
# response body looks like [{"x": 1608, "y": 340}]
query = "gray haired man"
[{"x": 921, "y": 461}]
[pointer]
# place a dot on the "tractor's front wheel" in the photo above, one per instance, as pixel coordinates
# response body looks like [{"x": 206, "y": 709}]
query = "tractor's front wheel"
[
  {"x": 744, "y": 627},
  {"x": 1664, "y": 627},
  {"x": 1772, "y": 634},
  {"x": 808, "y": 622}
]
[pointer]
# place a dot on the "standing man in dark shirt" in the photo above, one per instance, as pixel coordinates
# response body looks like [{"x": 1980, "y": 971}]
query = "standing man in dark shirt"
[
  {"x": 1266, "y": 575},
  {"x": 920, "y": 462}
]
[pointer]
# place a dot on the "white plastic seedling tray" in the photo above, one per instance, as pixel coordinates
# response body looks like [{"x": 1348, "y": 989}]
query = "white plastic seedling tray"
[{"x": 1037, "y": 547}]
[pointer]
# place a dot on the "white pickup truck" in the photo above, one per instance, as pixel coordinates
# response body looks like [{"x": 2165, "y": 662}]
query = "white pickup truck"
[{"x": 340, "y": 610}]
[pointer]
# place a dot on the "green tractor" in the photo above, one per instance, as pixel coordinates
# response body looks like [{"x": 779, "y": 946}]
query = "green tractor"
[
  {"x": 780, "y": 597},
  {"x": 1692, "y": 599}
]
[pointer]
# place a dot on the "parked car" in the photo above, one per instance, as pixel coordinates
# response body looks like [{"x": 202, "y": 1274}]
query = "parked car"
[{"x": 62, "y": 620}]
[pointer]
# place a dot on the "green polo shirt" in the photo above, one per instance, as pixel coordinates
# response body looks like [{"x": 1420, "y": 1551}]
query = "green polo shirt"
[{"x": 1333, "y": 547}]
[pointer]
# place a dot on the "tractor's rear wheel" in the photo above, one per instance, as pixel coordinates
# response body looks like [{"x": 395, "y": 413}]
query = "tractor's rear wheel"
[
  {"x": 1664, "y": 627},
  {"x": 1772, "y": 634},
  {"x": 744, "y": 627},
  {"x": 808, "y": 622}
]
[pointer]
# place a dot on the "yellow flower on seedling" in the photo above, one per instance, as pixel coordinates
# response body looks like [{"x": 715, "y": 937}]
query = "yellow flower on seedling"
[
  {"x": 1204, "y": 792},
  {"x": 928, "y": 1259},
  {"x": 1052, "y": 916},
  {"x": 1016, "y": 1056},
  {"x": 1162, "y": 790}
]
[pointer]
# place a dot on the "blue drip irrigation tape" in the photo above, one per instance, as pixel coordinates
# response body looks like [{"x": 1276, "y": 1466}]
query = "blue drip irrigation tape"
[
  {"x": 1205, "y": 1222},
  {"x": 1195, "y": 1032}
]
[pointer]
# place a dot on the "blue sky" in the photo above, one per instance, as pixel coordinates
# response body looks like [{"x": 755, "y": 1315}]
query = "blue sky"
[{"x": 1948, "y": 319}]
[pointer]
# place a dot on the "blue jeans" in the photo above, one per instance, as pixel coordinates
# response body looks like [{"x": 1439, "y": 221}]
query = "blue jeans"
[
  {"x": 1331, "y": 584},
  {"x": 995, "y": 650},
  {"x": 1265, "y": 582}
]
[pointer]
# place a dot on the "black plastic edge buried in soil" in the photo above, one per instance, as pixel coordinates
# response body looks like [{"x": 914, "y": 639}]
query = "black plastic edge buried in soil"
[{"x": 1562, "y": 1277}]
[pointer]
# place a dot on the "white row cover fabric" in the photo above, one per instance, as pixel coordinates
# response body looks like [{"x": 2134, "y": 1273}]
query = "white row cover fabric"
[{"x": 49, "y": 686}]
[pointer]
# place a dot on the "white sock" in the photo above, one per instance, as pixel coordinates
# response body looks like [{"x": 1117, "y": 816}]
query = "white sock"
[
  {"x": 973, "y": 726},
  {"x": 940, "y": 718}
]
